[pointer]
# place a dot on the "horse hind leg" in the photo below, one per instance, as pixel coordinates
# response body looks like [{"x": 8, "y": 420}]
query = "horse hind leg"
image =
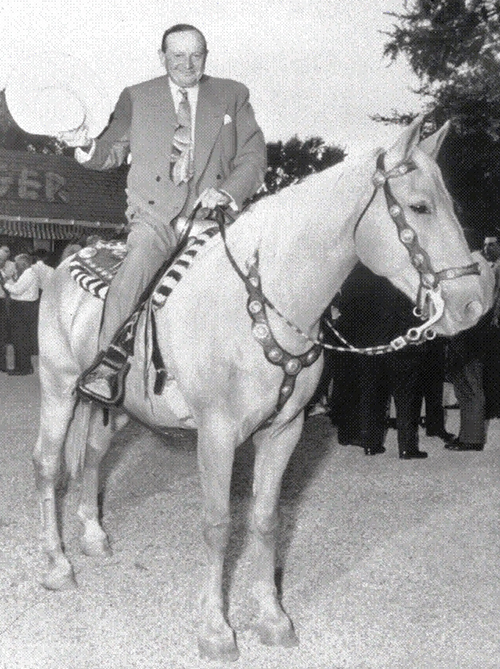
[
  {"x": 273, "y": 448},
  {"x": 94, "y": 540},
  {"x": 56, "y": 413}
]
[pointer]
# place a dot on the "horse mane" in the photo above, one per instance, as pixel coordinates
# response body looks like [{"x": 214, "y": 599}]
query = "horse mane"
[{"x": 292, "y": 210}]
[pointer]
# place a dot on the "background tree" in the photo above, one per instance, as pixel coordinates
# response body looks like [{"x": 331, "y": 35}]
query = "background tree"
[
  {"x": 290, "y": 162},
  {"x": 454, "y": 48}
]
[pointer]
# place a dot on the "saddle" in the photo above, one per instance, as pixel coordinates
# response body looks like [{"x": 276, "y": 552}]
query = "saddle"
[{"x": 93, "y": 268}]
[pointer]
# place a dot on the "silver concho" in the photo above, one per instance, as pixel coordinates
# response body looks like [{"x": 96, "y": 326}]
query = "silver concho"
[
  {"x": 254, "y": 281},
  {"x": 293, "y": 366},
  {"x": 451, "y": 273},
  {"x": 403, "y": 168},
  {"x": 378, "y": 178},
  {"x": 255, "y": 306},
  {"x": 407, "y": 235},
  {"x": 260, "y": 331},
  {"x": 418, "y": 259},
  {"x": 312, "y": 356},
  {"x": 286, "y": 390},
  {"x": 275, "y": 355},
  {"x": 395, "y": 210}
]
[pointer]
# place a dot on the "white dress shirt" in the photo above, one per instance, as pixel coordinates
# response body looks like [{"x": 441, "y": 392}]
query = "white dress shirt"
[{"x": 26, "y": 288}]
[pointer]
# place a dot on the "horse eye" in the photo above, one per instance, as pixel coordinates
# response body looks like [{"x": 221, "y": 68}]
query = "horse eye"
[{"x": 420, "y": 208}]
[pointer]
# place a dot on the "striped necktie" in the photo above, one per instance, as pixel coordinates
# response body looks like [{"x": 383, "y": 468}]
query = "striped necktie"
[{"x": 181, "y": 160}]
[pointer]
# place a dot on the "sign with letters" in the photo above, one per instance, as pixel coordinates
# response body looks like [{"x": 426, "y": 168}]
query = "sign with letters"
[{"x": 35, "y": 185}]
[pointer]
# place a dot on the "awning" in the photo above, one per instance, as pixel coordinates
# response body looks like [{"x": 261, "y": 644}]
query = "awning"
[{"x": 36, "y": 228}]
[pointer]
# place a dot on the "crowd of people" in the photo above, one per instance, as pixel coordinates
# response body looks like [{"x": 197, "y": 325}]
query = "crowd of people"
[
  {"x": 21, "y": 282},
  {"x": 357, "y": 390}
]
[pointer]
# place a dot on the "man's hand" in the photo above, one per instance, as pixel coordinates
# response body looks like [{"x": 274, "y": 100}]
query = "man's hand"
[
  {"x": 76, "y": 138},
  {"x": 211, "y": 197}
]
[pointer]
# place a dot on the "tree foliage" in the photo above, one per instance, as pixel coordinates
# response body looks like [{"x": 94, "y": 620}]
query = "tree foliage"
[
  {"x": 292, "y": 161},
  {"x": 454, "y": 48}
]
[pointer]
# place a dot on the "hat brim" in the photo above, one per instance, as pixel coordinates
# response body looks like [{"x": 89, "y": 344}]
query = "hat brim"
[{"x": 56, "y": 93}]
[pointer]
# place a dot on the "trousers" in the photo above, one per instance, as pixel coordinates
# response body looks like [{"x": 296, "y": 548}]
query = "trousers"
[{"x": 149, "y": 245}]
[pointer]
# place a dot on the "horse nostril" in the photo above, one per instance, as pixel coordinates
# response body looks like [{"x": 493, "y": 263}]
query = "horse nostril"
[{"x": 473, "y": 311}]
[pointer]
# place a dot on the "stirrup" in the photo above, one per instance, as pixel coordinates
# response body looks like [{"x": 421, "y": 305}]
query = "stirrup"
[{"x": 111, "y": 366}]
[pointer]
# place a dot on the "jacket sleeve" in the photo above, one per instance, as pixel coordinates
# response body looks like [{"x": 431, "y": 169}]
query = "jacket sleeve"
[
  {"x": 113, "y": 146},
  {"x": 250, "y": 161}
]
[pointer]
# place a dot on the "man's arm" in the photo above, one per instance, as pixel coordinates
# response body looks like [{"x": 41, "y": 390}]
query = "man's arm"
[
  {"x": 112, "y": 147},
  {"x": 250, "y": 161}
]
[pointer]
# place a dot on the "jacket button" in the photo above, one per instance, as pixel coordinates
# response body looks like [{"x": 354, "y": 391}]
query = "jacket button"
[
  {"x": 158, "y": 178},
  {"x": 151, "y": 202},
  {"x": 218, "y": 176}
]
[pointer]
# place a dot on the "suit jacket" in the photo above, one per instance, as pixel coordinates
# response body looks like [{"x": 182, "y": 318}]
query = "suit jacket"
[{"x": 229, "y": 147}]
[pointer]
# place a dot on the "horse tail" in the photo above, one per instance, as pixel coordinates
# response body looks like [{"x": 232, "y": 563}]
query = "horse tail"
[{"x": 76, "y": 438}]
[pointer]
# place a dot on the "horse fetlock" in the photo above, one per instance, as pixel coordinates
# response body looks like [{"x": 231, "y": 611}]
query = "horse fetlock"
[
  {"x": 276, "y": 631},
  {"x": 218, "y": 643},
  {"x": 94, "y": 541},
  {"x": 217, "y": 535},
  {"x": 60, "y": 575}
]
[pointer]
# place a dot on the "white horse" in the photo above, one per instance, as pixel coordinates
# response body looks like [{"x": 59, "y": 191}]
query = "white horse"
[{"x": 308, "y": 238}]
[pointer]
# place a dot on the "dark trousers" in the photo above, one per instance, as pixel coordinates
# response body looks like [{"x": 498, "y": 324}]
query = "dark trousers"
[
  {"x": 4, "y": 333},
  {"x": 23, "y": 319},
  {"x": 468, "y": 385}
]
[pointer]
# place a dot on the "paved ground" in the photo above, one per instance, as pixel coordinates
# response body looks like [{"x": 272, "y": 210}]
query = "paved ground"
[{"x": 384, "y": 563}]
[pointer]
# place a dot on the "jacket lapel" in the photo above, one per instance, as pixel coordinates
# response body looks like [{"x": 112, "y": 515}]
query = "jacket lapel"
[{"x": 209, "y": 119}]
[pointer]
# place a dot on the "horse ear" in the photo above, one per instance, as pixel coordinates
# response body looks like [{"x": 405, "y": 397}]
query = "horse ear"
[
  {"x": 432, "y": 144},
  {"x": 406, "y": 142}
]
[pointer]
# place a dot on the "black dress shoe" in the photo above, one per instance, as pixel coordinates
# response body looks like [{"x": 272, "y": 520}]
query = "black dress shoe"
[
  {"x": 457, "y": 445},
  {"x": 374, "y": 450},
  {"x": 442, "y": 434},
  {"x": 412, "y": 455}
]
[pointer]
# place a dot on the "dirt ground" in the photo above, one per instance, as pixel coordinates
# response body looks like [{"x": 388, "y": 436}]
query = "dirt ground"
[{"x": 383, "y": 563}]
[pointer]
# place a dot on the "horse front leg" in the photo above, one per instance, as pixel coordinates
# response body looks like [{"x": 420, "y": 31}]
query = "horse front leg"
[
  {"x": 94, "y": 540},
  {"x": 216, "y": 446},
  {"x": 273, "y": 448},
  {"x": 55, "y": 417}
]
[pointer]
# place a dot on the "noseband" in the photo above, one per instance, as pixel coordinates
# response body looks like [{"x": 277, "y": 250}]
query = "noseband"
[{"x": 430, "y": 304}]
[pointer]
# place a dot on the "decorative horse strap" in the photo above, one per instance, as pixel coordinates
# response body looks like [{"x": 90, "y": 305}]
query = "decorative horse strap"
[
  {"x": 429, "y": 307},
  {"x": 261, "y": 330}
]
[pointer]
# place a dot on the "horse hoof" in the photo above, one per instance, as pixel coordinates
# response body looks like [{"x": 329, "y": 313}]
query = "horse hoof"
[
  {"x": 96, "y": 547},
  {"x": 221, "y": 650},
  {"x": 58, "y": 580},
  {"x": 277, "y": 633}
]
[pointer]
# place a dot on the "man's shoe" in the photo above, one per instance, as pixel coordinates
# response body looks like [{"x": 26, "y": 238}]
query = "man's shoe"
[
  {"x": 104, "y": 380},
  {"x": 442, "y": 434},
  {"x": 412, "y": 455},
  {"x": 100, "y": 383},
  {"x": 374, "y": 450},
  {"x": 457, "y": 445}
]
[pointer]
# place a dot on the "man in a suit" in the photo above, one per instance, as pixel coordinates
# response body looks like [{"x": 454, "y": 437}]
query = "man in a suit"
[{"x": 193, "y": 139}]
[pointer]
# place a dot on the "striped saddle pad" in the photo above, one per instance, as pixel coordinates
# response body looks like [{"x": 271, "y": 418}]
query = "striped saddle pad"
[{"x": 94, "y": 267}]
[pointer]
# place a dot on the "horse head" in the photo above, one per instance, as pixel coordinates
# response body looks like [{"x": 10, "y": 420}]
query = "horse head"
[{"x": 409, "y": 233}]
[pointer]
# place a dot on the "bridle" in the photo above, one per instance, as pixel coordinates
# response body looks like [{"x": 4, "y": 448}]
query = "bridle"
[
  {"x": 430, "y": 303},
  {"x": 429, "y": 308}
]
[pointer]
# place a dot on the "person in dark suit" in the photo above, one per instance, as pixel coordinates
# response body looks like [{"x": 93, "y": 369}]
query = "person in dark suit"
[
  {"x": 374, "y": 312},
  {"x": 192, "y": 139}
]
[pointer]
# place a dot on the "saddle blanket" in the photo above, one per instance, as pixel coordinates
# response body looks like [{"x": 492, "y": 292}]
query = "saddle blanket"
[{"x": 94, "y": 267}]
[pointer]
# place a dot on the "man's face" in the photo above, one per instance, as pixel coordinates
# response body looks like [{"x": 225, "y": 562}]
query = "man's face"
[
  {"x": 184, "y": 58},
  {"x": 492, "y": 251}
]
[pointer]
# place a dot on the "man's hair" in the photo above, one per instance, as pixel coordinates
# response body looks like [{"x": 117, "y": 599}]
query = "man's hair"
[{"x": 181, "y": 28}]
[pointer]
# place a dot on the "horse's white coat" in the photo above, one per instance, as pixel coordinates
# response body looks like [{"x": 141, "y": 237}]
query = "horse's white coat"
[{"x": 306, "y": 244}]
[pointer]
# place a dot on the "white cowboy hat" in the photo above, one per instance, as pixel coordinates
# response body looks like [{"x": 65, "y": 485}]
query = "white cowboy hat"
[{"x": 54, "y": 93}]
